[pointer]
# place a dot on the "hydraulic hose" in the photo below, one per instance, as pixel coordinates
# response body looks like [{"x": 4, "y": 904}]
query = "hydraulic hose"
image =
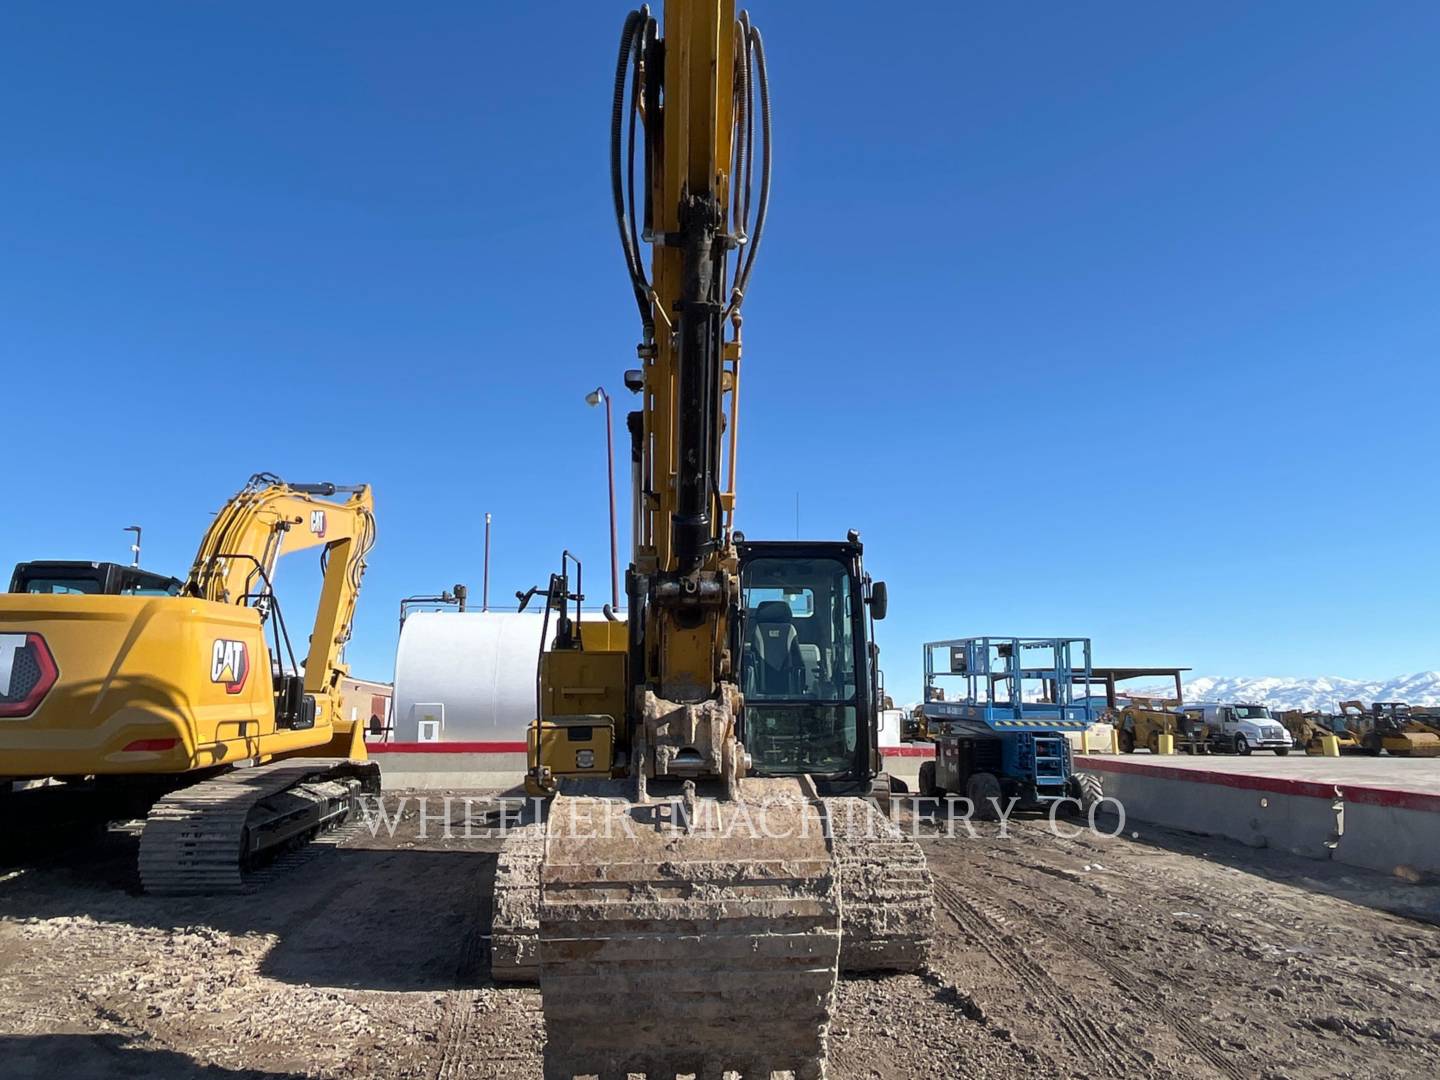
[
  {"x": 757, "y": 77},
  {"x": 632, "y": 39}
]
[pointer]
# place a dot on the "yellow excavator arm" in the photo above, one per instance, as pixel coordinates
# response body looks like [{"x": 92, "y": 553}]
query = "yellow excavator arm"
[
  {"x": 690, "y": 169},
  {"x": 709, "y": 704},
  {"x": 701, "y": 92},
  {"x": 235, "y": 563}
]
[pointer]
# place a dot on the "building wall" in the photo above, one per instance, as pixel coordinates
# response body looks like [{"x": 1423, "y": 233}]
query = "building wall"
[{"x": 366, "y": 700}]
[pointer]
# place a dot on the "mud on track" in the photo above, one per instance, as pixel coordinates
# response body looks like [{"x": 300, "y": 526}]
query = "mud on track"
[{"x": 1166, "y": 955}]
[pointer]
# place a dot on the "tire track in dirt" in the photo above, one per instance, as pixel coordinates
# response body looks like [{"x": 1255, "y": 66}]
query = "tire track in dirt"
[
  {"x": 1089, "y": 1041},
  {"x": 1262, "y": 910},
  {"x": 455, "y": 1035},
  {"x": 1190, "y": 1033},
  {"x": 459, "y": 1011}
]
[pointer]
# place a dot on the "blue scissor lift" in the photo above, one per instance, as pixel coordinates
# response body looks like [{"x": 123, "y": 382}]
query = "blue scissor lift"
[{"x": 999, "y": 710}]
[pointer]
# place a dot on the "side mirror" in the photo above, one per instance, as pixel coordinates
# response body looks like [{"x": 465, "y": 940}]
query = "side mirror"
[{"x": 879, "y": 600}]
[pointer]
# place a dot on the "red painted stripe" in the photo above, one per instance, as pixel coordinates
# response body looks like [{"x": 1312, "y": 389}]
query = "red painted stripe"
[
  {"x": 446, "y": 748},
  {"x": 1398, "y": 798},
  {"x": 519, "y": 748}
]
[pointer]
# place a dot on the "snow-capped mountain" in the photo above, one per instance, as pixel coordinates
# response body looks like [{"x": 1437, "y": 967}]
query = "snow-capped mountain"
[{"x": 1323, "y": 693}]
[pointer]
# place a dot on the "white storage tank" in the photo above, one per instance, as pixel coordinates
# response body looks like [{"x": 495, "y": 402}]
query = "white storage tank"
[
  {"x": 891, "y": 723},
  {"x": 466, "y": 677}
]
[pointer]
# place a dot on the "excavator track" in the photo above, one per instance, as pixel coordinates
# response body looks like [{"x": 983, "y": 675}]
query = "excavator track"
[
  {"x": 721, "y": 939},
  {"x": 200, "y": 839},
  {"x": 886, "y": 892},
  {"x": 887, "y": 896},
  {"x": 515, "y": 913}
]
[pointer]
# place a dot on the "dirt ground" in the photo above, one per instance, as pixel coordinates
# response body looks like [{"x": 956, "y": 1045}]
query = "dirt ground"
[{"x": 1159, "y": 955}]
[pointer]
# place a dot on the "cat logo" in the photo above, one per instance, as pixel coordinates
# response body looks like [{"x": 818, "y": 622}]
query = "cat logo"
[
  {"x": 317, "y": 522},
  {"x": 230, "y": 665}
]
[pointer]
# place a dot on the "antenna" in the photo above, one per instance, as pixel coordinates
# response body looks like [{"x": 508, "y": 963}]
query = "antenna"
[{"x": 135, "y": 547}]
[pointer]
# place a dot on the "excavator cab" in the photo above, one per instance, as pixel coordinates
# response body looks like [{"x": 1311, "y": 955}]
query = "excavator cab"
[
  {"x": 806, "y": 667},
  {"x": 66, "y": 578}
]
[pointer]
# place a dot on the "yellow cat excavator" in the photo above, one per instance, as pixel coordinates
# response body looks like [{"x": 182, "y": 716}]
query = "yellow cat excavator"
[
  {"x": 709, "y": 861},
  {"x": 151, "y": 686}
]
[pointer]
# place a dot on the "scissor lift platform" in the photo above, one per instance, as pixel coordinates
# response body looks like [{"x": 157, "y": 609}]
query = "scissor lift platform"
[{"x": 1001, "y": 731}]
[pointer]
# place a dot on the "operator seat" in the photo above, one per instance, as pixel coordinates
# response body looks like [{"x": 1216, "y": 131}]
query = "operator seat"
[{"x": 776, "y": 665}]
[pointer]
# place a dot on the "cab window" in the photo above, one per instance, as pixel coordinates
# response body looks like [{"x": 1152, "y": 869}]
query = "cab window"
[
  {"x": 62, "y": 586},
  {"x": 140, "y": 584}
]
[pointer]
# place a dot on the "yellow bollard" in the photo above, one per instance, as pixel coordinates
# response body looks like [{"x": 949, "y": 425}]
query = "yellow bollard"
[
  {"x": 1167, "y": 744},
  {"x": 1114, "y": 740},
  {"x": 1329, "y": 746}
]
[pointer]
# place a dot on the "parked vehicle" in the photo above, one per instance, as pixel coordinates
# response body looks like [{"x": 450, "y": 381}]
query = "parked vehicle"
[
  {"x": 1240, "y": 727},
  {"x": 1003, "y": 734},
  {"x": 1309, "y": 729}
]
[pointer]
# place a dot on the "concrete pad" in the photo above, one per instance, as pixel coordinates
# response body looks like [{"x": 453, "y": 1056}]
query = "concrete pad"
[
  {"x": 446, "y": 769},
  {"x": 1306, "y": 825},
  {"x": 1377, "y": 813},
  {"x": 455, "y": 766},
  {"x": 903, "y": 762},
  {"x": 1400, "y": 773}
]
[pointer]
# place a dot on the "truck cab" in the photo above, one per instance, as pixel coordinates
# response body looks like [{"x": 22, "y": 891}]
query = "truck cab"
[{"x": 1242, "y": 727}]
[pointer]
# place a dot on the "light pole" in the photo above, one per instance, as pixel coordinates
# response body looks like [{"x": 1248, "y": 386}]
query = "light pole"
[
  {"x": 485, "y": 587},
  {"x": 595, "y": 397},
  {"x": 135, "y": 547}
]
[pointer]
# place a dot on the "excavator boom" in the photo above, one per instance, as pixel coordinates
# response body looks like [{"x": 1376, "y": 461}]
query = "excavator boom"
[
  {"x": 713, "y": 753},
  {"x": 236, "y": 560}
]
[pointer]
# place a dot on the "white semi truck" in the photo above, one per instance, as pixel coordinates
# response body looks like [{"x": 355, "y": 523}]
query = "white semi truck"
[{"x": 1241, "y": 727}]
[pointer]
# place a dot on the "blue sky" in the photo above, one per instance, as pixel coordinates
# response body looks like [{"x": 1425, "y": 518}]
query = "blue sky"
[{"x": 1111, "y": 319}]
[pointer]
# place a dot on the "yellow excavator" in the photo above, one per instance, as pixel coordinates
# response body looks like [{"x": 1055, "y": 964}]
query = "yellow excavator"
[
  {"x": 709, "y": 860},
  {"x": 150, "y": 686}
]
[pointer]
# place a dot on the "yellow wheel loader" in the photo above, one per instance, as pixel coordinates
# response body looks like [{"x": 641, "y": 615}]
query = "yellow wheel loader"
[
  {"x": 1354, "y": 717},
  {"x": 1140, "y": 721},
  {"x": 1309, "y": 728},
  {"x": 1425, "y": 718},
  {"x": 188, "y": 694},
  {"x": 1390, "y": 726},
  {"x": 1399, "y": 732},
  {"x": 916, "y": 728},
  {"x": 708, "y": 860}
]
